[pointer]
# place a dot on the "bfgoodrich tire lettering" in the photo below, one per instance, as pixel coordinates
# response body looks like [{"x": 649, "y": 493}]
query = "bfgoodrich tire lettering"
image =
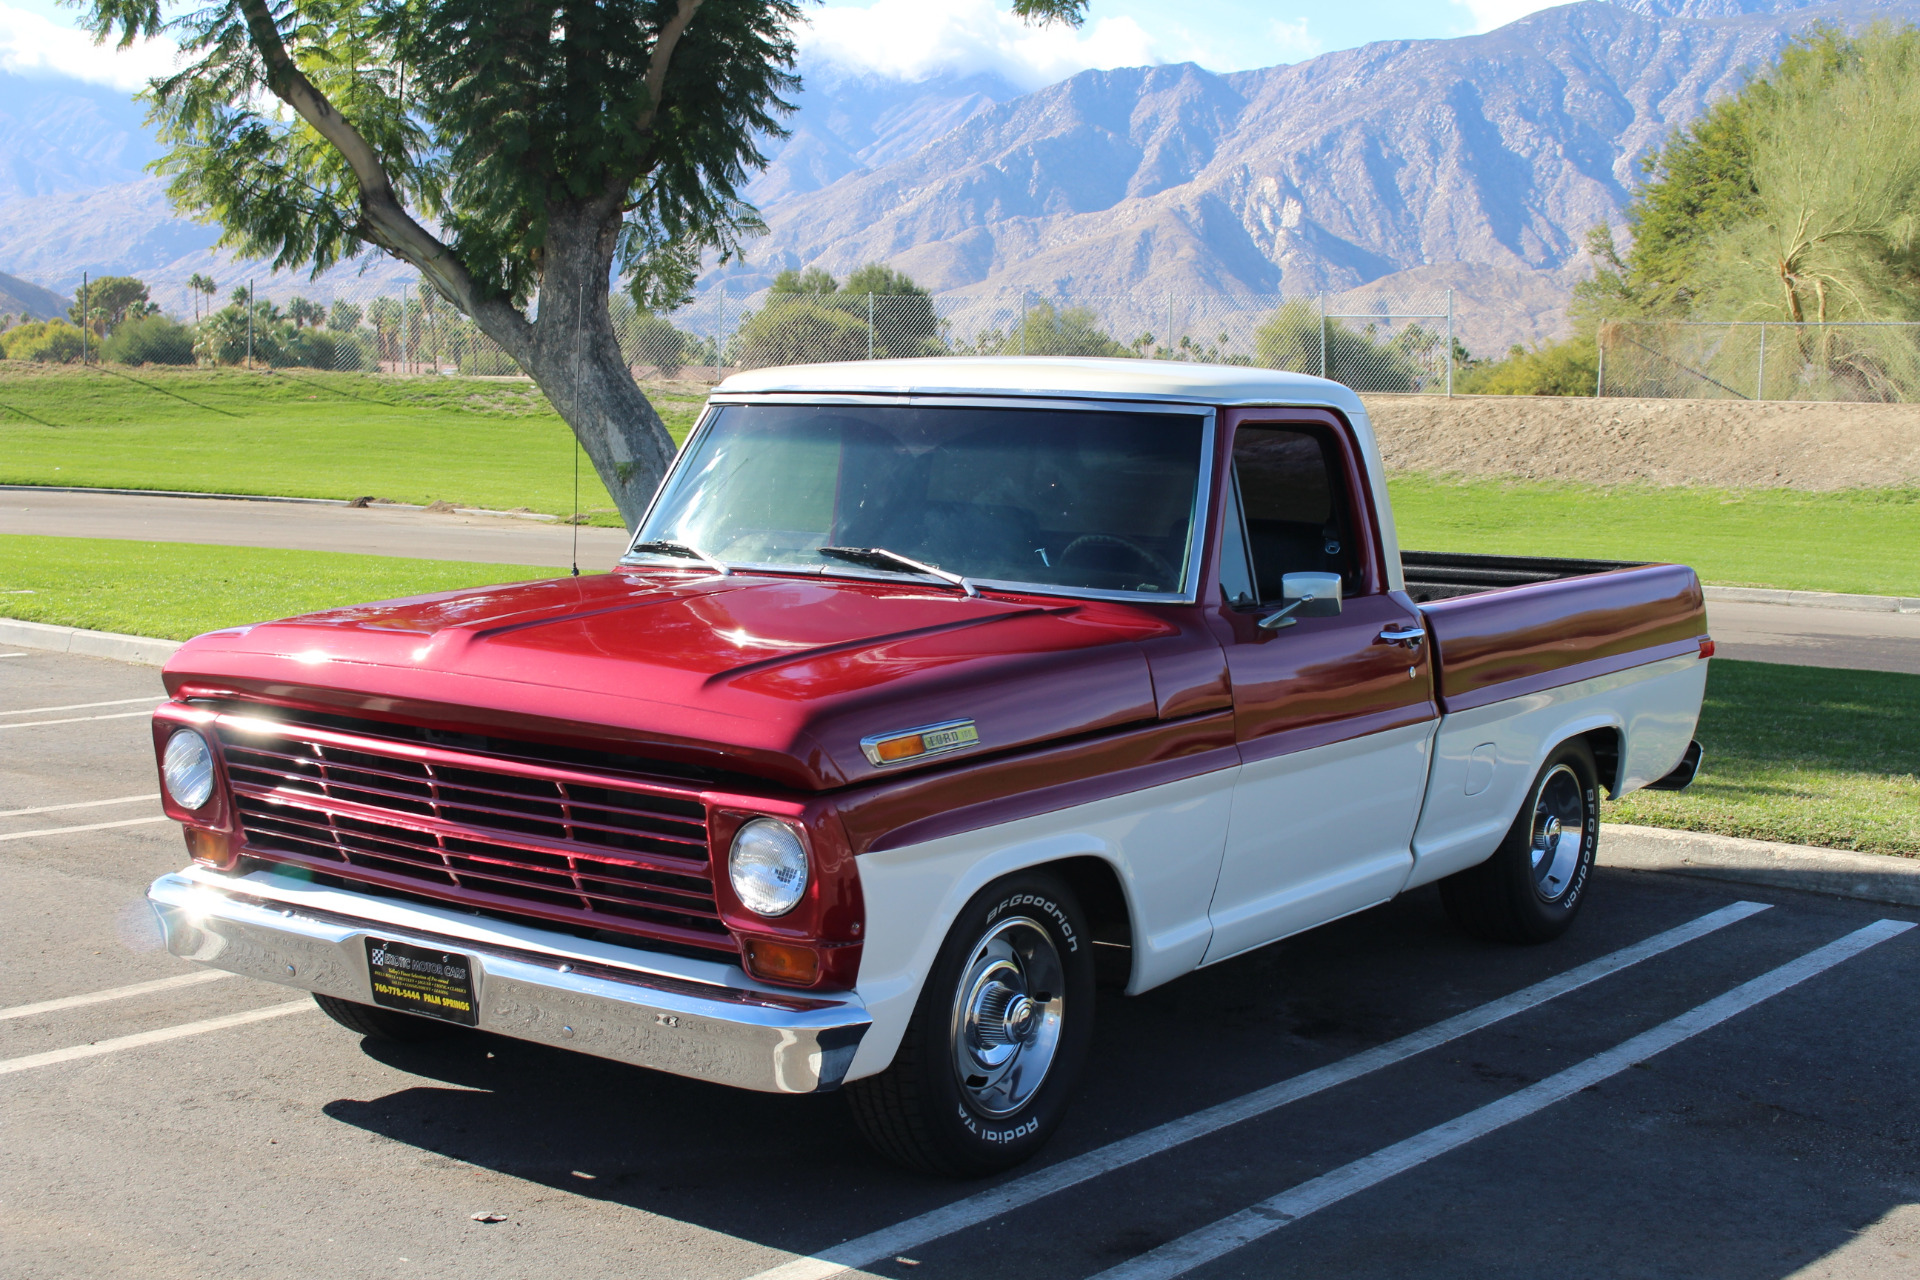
[
  {"x": 1532, "y": 887},
  {"x": 983, "y": 1075}
]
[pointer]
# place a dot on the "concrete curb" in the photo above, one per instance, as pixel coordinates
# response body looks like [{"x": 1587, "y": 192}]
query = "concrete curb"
[
  {"x": 87, "y": 644},
  {"x": 1814, "y": 599},
  {"x": 1870, "y": 877}
]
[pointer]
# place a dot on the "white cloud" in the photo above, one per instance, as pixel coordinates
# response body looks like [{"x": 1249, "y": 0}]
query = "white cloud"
[
  {"x": 913, "y": 39},
  {"x": 1488, "y": 14},
  {"x": 1291, "y": 41},
  {"x": 32, "y": 44}
]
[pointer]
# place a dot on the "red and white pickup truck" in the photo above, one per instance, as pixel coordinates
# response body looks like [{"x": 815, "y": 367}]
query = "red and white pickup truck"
[{"x": 930, "y": 694}]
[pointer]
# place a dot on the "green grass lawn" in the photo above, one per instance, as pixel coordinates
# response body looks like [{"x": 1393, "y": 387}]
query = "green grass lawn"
[
  {"x": 1807, "y": 755},
  {"x": 497, "y": 443},
  {"x": 176, "y": 590},
  {"x": 299, "y": 433},
  {"x": 1861, "y": 540}
]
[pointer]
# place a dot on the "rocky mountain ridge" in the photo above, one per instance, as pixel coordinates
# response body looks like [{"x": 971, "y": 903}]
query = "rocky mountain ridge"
[
  {"x": 1399, "y": 168},
  {"x": 1481, "y": 160}
]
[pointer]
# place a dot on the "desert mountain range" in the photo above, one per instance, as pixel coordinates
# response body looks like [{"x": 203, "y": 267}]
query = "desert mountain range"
[{"x": 1399, "y": 168}]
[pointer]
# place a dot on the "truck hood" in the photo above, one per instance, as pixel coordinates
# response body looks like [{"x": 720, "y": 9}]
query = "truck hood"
[{"x": 771, "y": 676}]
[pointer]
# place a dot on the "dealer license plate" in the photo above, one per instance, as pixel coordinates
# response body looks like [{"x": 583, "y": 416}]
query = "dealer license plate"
[{"x": 438, "y": 984}]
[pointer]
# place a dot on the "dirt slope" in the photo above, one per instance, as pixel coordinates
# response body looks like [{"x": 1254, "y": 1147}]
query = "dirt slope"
[{"x": 1722, "y": 443}]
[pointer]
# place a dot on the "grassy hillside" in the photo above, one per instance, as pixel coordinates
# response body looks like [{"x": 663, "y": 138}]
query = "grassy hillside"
[
  {"x": 1800, "y": 754},
  {"x": 297, "y": 432},
  {"x": 176, "y": 590},
  {"x": 497, "y": 443},
  {"x": 1859, "y": 540}
]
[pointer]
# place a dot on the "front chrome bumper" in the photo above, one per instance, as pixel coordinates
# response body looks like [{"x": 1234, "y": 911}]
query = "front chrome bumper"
[{"x": 679, "y": 1016}]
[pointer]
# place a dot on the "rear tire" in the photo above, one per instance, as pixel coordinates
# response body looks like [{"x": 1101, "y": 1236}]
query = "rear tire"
[
  {"x": 384, "y": 1024},
  {"x": 990, "y": 1058},
  {"x": 1532, "y": 887}
]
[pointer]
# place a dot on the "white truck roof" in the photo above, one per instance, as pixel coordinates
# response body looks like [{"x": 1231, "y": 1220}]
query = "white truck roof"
[
  {"x": 1075, "y": 377},
  {"x": 1221, "y": 384}
]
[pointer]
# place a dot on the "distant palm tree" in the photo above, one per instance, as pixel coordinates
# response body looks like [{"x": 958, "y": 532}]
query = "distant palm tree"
[{"x": 199, "y": 285}]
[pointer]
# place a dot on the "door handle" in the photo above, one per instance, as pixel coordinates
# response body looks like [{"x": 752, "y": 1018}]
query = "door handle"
[{"x": 1409, "y": 636}]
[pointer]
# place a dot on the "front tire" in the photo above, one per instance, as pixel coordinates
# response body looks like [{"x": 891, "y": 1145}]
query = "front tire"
[
  {"x": 1532, "y": 887},
  {"x": 985, "y": 1070}
]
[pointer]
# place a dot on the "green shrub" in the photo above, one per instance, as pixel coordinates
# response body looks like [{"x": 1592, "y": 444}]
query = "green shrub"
[
  {"x": 799, "y": 329},
  {"x": 222, "y": 338},
  {"x": 647, "y": 337},
  {"x": 48, "y": 341},
  {"x": 1569, "y": 368},
  {"x": 312, "y": 348},
  {"x": 1294, "y": 337},
  {"x": 149, "y": 340}
]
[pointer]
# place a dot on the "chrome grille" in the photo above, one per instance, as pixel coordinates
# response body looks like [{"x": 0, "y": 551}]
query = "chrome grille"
[{"x": 502, "y": 834}]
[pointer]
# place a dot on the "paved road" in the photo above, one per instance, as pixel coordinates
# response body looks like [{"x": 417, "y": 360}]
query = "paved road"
[
  {"x": 1756, "y": 632},
  {"x": 1816, "y": 637},
  {"x": 1783, "y": 1140},
  {"x": 367, "y": 531}
]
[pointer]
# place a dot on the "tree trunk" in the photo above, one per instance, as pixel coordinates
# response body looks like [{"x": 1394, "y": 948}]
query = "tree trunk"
[{"x": 573, "y": 355}]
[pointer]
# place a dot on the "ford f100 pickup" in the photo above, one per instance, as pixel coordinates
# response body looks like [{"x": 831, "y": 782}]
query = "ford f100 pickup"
[{"x": 929, "y": 695}]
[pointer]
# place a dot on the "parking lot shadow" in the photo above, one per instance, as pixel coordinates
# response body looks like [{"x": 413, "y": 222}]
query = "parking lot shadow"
[{"x": 792, "y": 1173}]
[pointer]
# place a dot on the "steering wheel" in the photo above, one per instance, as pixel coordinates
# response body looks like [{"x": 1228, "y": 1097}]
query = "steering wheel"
[{"x": 1147, "y": 557}]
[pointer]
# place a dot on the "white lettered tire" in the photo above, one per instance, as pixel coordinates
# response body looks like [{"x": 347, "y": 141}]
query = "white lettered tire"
[{"x": 989, "y": 1061}]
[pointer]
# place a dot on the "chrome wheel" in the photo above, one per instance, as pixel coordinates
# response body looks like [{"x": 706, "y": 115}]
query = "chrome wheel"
[
  {"x": 1559, "y": 832},
  {"x": 1006, "y": 1016}
]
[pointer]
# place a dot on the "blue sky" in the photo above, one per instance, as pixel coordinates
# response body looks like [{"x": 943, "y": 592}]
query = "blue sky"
[{"x": 912, "y": 38}]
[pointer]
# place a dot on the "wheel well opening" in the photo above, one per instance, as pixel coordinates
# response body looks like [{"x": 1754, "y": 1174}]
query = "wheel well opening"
[
  {"x": 1605, "y": 744},
  {"x": 1097, "y": 887}
]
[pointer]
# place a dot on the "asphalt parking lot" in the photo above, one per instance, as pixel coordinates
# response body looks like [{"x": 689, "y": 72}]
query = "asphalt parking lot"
[{"x": 1701, "y": 1080}]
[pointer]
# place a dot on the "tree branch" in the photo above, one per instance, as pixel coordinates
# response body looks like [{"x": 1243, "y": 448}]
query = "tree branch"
[
  {"x": 656, "y": 82},
  {"x": 662, "y": 56},
  {"x": 384, "y": 217}
]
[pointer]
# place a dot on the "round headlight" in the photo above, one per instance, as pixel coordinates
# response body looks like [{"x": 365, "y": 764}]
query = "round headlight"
[
  {"x": 768, "y": 867},
  {"x": 188, "y": 769}
]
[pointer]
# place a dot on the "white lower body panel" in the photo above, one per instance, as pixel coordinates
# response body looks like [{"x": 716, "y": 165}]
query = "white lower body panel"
[
  {"x": 1163, "y": 843},
  {"x": 1485, "y": 759}
]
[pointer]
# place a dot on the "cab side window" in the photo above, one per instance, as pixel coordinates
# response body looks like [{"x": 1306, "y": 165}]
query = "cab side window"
[{"x": 1294, "y": 507}]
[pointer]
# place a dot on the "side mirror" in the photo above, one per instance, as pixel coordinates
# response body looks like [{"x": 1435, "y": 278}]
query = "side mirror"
[{"x": 1308, "y": 595}]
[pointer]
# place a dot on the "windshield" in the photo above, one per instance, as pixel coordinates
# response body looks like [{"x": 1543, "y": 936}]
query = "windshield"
[{"x": 1094, "y": 500}]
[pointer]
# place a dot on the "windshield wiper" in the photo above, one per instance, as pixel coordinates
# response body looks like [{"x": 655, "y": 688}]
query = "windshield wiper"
[
  {"x": 881, "y": 558},
  {"x": 685, "y": 551}
]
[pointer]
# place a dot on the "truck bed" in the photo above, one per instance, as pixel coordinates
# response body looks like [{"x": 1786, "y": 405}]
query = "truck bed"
[
  {"x": 1442, "y": 575},
  {"x": 1508, "y": 626}
]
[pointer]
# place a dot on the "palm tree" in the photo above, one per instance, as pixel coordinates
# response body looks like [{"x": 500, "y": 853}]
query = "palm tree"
[{"x": 199, "y": 284}]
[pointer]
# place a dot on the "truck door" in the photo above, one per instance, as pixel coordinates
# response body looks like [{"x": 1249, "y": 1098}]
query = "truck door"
[{"x": 1334, "y": 716}]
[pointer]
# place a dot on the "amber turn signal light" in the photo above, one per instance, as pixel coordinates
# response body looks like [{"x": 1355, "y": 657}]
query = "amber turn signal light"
[
  {"x": 209, "y": 847},
  {"x": 900, "y": 748},
  {"x": 782, "y": 962}
]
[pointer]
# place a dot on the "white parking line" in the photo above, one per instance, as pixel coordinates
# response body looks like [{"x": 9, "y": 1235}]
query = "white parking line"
[
  {"x": 53, "y": 1057},
  {"x": 113, "y": 993},
  {"x": 12, "y": 655},
  {"x": 1177, "y": 1257},
  {"x": 84, "y": 706},
  {"x": 35, "y": 724},
  {"x": 90, "y": 826},
  {"x": 905, "y": 1236},
  {"x": 78, "y": 804}
]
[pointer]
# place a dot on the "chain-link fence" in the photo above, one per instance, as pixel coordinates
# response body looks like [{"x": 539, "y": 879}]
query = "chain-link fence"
[
  {"x": 1760, "y": 360},
  {"x": 1370, "y": 342}
]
